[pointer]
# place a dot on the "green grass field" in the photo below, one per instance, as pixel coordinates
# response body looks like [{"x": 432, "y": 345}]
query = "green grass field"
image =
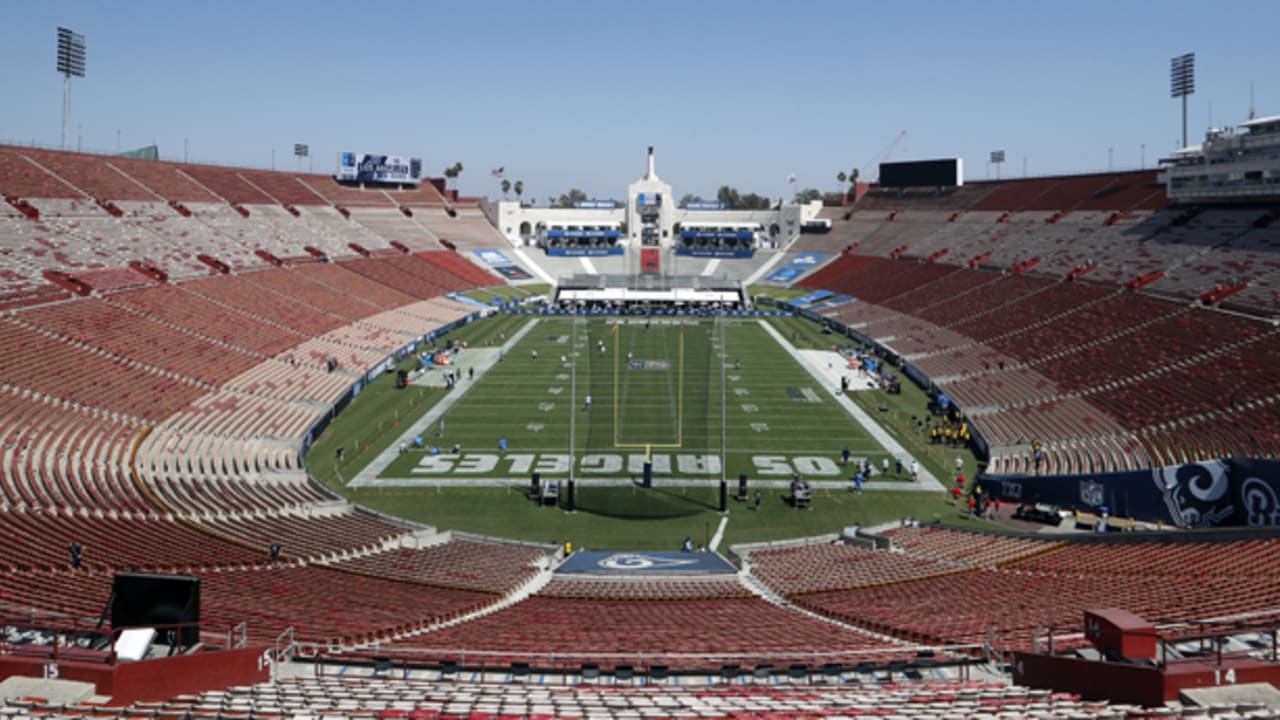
[
  {"x": 662, "y": 403},
  {"x": 655, "y": 391}
]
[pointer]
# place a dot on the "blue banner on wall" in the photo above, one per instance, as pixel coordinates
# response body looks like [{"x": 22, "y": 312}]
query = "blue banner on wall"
[
  {"x": 1209, "y": 493},
  {"x": 705, "y": 205},
  {"x": 717, "y": 234},
  {"x": 688, "y": 252},
  {"x": 557, "y": 232},
  {"x": 583, "y": 252},
  {"x": 595, "y": 204},
  {"x": 493, "y": 257}
]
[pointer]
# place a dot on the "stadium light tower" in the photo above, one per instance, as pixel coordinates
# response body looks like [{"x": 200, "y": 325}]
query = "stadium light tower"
[
  {"x": 1182, "y": 82},
  {"x": 70, "y": 62}
]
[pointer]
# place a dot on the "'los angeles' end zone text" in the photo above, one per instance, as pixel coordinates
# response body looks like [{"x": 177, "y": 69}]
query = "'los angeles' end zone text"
[{"x": 683, "y": 464}]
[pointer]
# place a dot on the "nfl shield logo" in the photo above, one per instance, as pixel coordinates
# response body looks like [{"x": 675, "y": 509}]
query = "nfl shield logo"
[{"x": 1091, "y": 493}]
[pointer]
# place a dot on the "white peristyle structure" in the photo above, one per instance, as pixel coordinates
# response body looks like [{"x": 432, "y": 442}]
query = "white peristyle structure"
[{"x": 650, "y": 217}]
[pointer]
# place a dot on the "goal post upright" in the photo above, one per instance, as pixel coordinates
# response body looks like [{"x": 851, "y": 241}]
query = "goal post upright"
[{"x": 724, "y": 428}]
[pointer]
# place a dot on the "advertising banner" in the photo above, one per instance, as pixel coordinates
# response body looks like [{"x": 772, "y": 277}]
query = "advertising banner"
[
  {"x": 597, "y": 233},
  {"x": 689, "y": 252},
  {"x": 493, "y": 257},
  {"x": 366, "y": 167},
  {"x": 595, "y": 204},
  {"x": 583, "y": 251}
]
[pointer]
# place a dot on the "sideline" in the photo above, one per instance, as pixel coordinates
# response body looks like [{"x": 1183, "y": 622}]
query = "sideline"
[
  {"x": 715, "y": 539},
  {"x": 366, "y": 477},
  {"x": 877, "y": 433}
]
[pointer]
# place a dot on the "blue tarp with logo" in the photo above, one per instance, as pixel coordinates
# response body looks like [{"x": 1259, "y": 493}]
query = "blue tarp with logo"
[
  {"x": 493, "y": 257},
  {"x": 1208, "y": 493},
  {"x": 646, "y": 563},
  {"x": 813, "y": 297}
]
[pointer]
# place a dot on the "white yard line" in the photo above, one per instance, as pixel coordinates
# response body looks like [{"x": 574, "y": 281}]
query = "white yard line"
[{"x": 715, "y": 539}]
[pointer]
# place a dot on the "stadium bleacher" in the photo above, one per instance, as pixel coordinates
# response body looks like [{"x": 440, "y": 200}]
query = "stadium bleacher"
[
  {"x": 421, "y": 698},
  {"x": 160, "y": 423},
  {"x": 1084, "y": 364}
]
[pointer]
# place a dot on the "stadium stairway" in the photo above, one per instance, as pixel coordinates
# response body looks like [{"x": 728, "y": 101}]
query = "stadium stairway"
[
  {"x": 530, "y": 587},
  {"x": 767, "y": 594}
]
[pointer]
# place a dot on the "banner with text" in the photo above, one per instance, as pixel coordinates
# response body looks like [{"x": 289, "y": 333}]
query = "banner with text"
[{"x": 366, "y": 167}]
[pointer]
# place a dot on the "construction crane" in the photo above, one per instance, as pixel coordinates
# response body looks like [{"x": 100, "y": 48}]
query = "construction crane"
[{"x": 882, "y": 156}]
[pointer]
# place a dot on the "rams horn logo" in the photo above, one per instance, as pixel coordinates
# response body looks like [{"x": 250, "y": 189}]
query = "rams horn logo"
[
  {"x": 636, "y": 561},
  {"x": 1196, "y": 493},
  {"x": 1260, "y": 502}
]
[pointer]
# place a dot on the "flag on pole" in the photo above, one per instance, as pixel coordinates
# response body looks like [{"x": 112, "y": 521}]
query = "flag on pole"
[
  {"x": 497, "y": 172},
  {"x": 791, "y": 178}
]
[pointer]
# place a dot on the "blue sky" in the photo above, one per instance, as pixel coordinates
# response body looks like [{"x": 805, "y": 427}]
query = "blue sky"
[{"x": 569, "y": 94}]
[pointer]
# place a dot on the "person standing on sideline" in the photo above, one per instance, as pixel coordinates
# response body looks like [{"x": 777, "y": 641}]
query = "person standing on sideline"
[
  {"x": 959, "y": 465},
  {"x": 884, "y": 466},
  {"x": 898, "y": 464},
  {"x": 857, "y": 484},
  {"x": 587, "y": 404},
  {"x": 915, "y": 471},
  {"x": 844, "y": 455}
]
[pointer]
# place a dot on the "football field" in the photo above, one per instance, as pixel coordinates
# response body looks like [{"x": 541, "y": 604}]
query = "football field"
[{"x": 599, "y": 396}]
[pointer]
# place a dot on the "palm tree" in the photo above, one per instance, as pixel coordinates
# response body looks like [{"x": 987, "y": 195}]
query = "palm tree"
[
  {"x": 841, "y": 178},
  {"x": 506, "y": 188},
  {"x": 519, "y": 188},
  {"x": 452, "y": 172}
]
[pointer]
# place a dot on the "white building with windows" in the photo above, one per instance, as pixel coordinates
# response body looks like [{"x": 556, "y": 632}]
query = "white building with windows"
[{"x": 1233, "y": 164}]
